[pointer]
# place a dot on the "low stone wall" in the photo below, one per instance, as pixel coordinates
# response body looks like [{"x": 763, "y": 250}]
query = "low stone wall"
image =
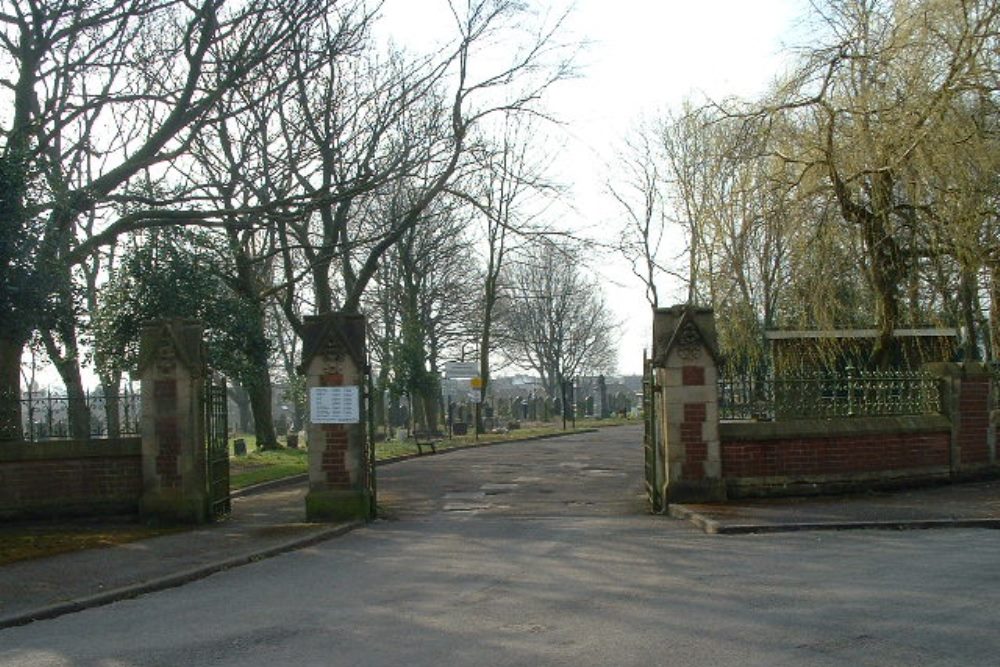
[
  {"x": 70, "y": 478},
  {"x": 811, "y": 457}
]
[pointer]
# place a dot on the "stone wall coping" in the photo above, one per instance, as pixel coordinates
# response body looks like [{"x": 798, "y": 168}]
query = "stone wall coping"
[
  {"x": 832, "y": 428},
  {"x": 54, "y": 450},
  {"x": 809, "y": 485}
]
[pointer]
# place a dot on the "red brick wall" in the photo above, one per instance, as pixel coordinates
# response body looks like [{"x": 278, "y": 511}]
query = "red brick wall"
[
  {"x": 974, "y": 420},
  {"x": 693, "y": 440},
  {"x": 71, "y": 484},
  {"x": 835, "y": 455},
  {"x": 693, "y": 376},
  {"x": 334, "y": 463}
]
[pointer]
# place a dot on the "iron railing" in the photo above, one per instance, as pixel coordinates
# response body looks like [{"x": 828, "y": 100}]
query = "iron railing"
[
  {"x": 746, "y": 398},
  {"x": 822, "y": 395},
  {"x": 45, "y": 416}
]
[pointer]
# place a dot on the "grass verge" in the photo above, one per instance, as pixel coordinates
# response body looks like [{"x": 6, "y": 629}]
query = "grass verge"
[
  {"x": 21, "y": 542},
  {"x": 265, "y": 466}
]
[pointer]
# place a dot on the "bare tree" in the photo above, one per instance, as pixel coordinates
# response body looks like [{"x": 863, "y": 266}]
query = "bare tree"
[
  {"x": 554, "y": 320},
  {"x": 379, "y": 144},
  {"x": 232, "y": 166},
  {"x": 639, "y": 187},
  {"x": 509, "y": 191},
  {"x": 423, "y": 298}
]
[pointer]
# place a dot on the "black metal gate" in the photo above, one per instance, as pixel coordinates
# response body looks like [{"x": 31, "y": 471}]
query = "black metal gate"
[
  {"x": 216, "y": 415},
  {"x": 369, "y": 440},
  {"x": 651, "y": 440}
]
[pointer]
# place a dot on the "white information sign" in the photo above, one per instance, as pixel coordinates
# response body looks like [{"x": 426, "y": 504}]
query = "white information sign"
[
  {"x": 335, "y": 405},
  {"x": 460, "y": 369}
]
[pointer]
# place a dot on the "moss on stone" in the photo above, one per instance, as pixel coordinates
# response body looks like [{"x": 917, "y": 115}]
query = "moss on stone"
[{"x": 338, "y": 505}]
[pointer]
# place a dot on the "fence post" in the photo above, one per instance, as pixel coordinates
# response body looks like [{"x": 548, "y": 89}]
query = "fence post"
[{"x": 685, "y": 359}]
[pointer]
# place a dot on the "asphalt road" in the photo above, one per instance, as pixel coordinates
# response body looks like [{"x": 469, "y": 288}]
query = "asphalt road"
[{"x": 540, "y": 554}]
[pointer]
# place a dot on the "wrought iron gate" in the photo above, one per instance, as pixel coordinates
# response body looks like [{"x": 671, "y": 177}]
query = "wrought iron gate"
[
  {"x": 651, "y": 440},
  {"x": 369, "y": 440},
  {"x": 216, "y": 415}
]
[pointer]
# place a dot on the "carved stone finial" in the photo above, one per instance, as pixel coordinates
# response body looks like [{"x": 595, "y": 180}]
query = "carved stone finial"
[
  {"x": 333, "y": 349},
  {"x": 689, "y": 343},
  {"x": 688, "y": 330},
  {"x": 166, "y": 354}
]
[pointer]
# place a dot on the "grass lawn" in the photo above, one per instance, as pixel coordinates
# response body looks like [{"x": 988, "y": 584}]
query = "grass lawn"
[{"x": 257, "y": 467}]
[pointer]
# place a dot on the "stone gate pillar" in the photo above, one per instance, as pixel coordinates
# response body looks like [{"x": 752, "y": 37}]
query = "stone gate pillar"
[
  {"x": 333, "y": 361},
  {"x": 965, "y": 400},
  {"x": 172, "y": 371},
  {"x": 685, "y": 359}
]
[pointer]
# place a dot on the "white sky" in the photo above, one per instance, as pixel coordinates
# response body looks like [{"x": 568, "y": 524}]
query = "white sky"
[
  {"x": 642, "y": 57},
  {"x": 647, "y": 56}
]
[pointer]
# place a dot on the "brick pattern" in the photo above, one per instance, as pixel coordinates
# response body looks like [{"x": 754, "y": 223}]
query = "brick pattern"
[
  {"x": 334, "y": 463},
  {"x": 834, "y": 455},
  {"x": 24, "y": 484},
  {"x": 331, "y": 380},
  {"x": 693, "y": 376},
  {"x": 334, "y": 459},
  {"x": 693, "y": 442},
  {"x": 974, "y": 421},
  {"x": 169, "y": 441}
]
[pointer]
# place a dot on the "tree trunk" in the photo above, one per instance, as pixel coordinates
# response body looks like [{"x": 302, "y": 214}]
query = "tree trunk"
[
  {"x": 77, "y": 410},
  {"x": 11, "y": 427},
  {"x": 885, "y": 278},
  {"x": 429, "y": 411},
  {"x": 111, "y": 387},
  {"x": 242, "y": 400},
  {"x": 967, "y": 299},
  {"x": 259, "y": 392}
]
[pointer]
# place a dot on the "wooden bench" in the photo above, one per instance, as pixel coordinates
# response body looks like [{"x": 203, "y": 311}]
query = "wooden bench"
[{"x": 427, "y": 439}]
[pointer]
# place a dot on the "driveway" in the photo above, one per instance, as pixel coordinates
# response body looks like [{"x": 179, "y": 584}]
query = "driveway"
[{"x": 541, "y": 554}]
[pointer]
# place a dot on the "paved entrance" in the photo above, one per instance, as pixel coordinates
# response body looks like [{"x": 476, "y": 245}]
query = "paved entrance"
[
  {"x": 482, "y": 565},
  {"x": 593, "y": 474}
]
